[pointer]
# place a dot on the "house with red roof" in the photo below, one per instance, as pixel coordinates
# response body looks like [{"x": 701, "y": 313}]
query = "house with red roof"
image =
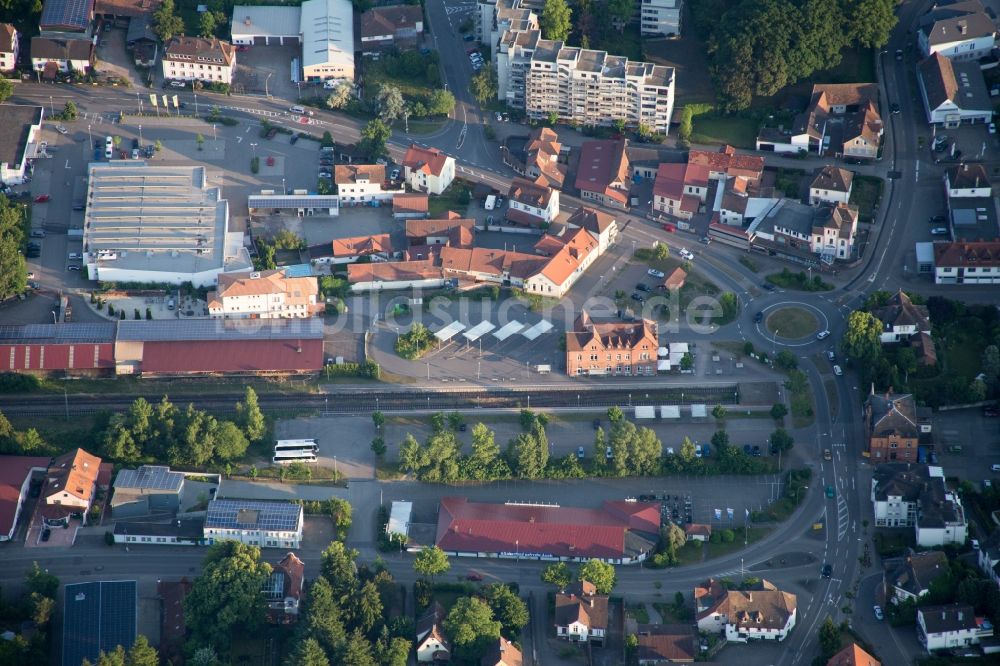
[
  {"x": 581, "y": 615},
  {"x": 283, "y": 590},
  {"x": 727, "y": 163},
  {"x": 428, "y": 169},
  {"x": 680, "y": 189},
  {"x": 15, "y": 480},
  {"x": 602, "y": 175},
  {"x": 432, "y": 644},
  {"x": 70, "y": 487},
  {"x": 617, "y": 532}
]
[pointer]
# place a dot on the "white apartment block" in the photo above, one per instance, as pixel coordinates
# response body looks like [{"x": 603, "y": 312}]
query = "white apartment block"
[
  {"x": 590, "y": 87},
  {"x": 199, "y": 59},
  {"x": 264, "y": 295},
  {"x": 660, "y": 17}
]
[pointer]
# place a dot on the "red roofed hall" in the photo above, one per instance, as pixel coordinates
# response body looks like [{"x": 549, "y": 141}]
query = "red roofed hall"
[
  {"x": 288, "y": 356},
  {"x": 618, "y": 532},
  {"x": 15, "y": 479}
]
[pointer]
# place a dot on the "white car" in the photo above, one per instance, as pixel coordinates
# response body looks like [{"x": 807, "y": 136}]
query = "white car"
[
  {"x": 686, "y": 254},
  {"x": 993, "y": 128},
  {"x": 939, "y": 231},
  {"x": 61, "y": 129},
  {"x": 878, "y": 612},
  {"x": 178, "y": 84},
  {"x": 837, "y": 370},
  {"x": 823, "y": 335},
  {"x": 652, "y": 272}
]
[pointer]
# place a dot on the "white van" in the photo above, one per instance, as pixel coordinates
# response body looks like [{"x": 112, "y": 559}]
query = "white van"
[
  {"x": 75, "y": 255},
  {"x": 297, "y": 109}
]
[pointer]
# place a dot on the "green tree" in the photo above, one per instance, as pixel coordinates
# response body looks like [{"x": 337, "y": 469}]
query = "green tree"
[
  {"x": 337, "y": 565},
  {"x": 600, "y": 449},
  {"x": 378, "y": 418},
  {"x": 531, "y": 453},
  {"x": 119, "y": 444},
  {"x": 443, "y": 456},
  {"x": 307, "y": 652},
  {"x": 367, "y": 607},
  {"x": 340, "y": 512},
  {"x": 484, "y": 85},
  {"x": 990, "y": 366},
  {"x": 871, "y": 22},
  {"x": 778, "y": 411},
  {"x": 373, "y": 137},
  {"x": 507, "y": 607},
  {"x": 470, "y": 621},
  {"x": 621, "y": 11},
  {"x": 70, "y": 112},
  {"x": 601, "y": 574},
  {"x": 483, "y": 462},
  {"x": 440, "y": 102},
  {"x": 719, "y": 412},
  {"x": 6, "y": 90},
  {"x": 557, "y": 574},
  {"x": 42, "y": 608},
  {"x": 390, "y": 103},
  {"x": 357, "y": 651},
  {"x": 615, "y": 414},
  {"x": 166, "y": 22},
  {"x": 687, "y": 451},
  {"x": 862, "y": 339},
  {"x": 204, "y": 656},
  {"x": 431, "y": 562},
  {"x": 661, "y": 252},
  {"x": 230, "y": 444},
  {"x": 556, "y": 20},
  {"x": 392, "y": 651},
  {"x": 250, "y": 417},
  {"x": 340, "y": 96},
  {"x": 206, "y": 24},
  {"x": 40, "y": 581},
  {"x": 786, "y": 360},
  {"x": 142, "y": 653},
  {"x": 227, "y": 593},
  {"x": 829, "y": 638},
  {"x": 631, "y": 643},
  {"x": 720, "y": 440},
  {"x": 730, "y": 305},
  {"x": 781, "y": 440},
  {"x": 114, "y": 658},
  {"x": 673, "y": 537},
  {"x": 412, "y": 456},
  {"x": 322, "y": 616},
  {"x": 13, "y": 269}
]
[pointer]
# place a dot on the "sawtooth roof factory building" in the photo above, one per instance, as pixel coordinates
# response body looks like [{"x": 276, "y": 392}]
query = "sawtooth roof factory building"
[{"x": 158, "y": 224}]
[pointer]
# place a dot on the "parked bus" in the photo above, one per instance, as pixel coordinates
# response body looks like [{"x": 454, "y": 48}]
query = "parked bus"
[
  {"x": 293, "y": 445},
  {"x": 285, "y": 458}
]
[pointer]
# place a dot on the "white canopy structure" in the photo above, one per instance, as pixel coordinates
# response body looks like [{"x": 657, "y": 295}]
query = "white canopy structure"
[
  {"x": 670, "y": 412},
  {"x": 508, "y": 330},
  {"x": 699, "y": 411},
  {"x": 645, "y": 412},
  {"x": 537, "y": 330},
  {"x": 663, "y": 365},
  {"x": 478, "y": 331},
  {"x": 450, "y": 331}
]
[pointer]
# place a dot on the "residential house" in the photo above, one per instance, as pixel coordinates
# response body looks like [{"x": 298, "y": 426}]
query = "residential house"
[
  {"x": 142, "y": 41},
  {"x": 951, "y": 626},
  {"x": 8, "y": 47},
  {"x": 908, "y": 495},
  {"x": 283, "y": 590},
  {"x": 892, "y": 427},
  {"x": 348, "y": 250},
  {"x": 989, "y": 557},
  {"x": 264, "y": 295},
  {"x": 198, "y": 59},
  {"x": 602, "y": 174},
  {"x": 359, "y": 182},
  {"x": 70, "y": 487},
  {"x": 422, "y": 274},
  {"x": 16, "y": 475},
  {"x": 910, "y": 577},
  {"x": 407, "y": 205},
  {"x": 56, "y": 55},
  {"x": 680, "y": 189},
  {"x": 581, "y": 614},
  {"x": 605, "y": 348},
  {"x": 391, "y": 27},
  {"x": 661, "y": 644},
  {"x": 834, "y": 232},
  {"x": 455, "y": 232},
  {"x": 902, "y": 319},
  {"x": 118, "y": 12},
  {"x": 967, "y": 181},
  {"x": 967, "y": 262},
  {"x": 254, "y": 522},
  {"x": 432, "y": 644},
  {"x": 19, "y": 134},
  {"x": 953, "y": 92},
  {"x": 727, "y": 163},
  {"x": 958, "y": 29},
  {"x": 735, "y": 201},
  {"x": 428, "y": 169},
  {"x": 539, "y": 160},
  {"x": 832, "y": 185},
  {"x": 502, "y": 653},
  {"x": 762, "y": 613},
  {"x": 853, "y": 655},
  {"x": 602, "y": 226},
  {"x": 180, "y": 532},
  {"x": 660, "y": 18},
  {"x": 531, "y": 204},
  {"x": 675, "y": 280},
  {"x": 698, "y": 531},
  {"x": 841, "y": 119}
]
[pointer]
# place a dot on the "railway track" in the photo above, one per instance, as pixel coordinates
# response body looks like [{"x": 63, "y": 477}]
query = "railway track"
[{"x": 362, "y": 400}]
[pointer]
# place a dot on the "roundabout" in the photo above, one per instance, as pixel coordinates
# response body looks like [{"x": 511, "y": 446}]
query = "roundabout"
[{"x": 792, "y": 323}]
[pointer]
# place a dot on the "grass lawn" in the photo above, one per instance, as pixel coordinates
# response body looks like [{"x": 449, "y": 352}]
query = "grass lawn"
[
  {"x": 626, "y": 43},
  {"x": 799, "y": 281},
  {"x": 450, "y": 199},
  {"x": 963, "y": 359},
  {"x": 690, "y": 553},
  {"x": 789, "y": 181},
  {"x": 721, "y": 549},
  {"x": 865, "y": 194},
  {"x": 670, "y": 614},
  {"x": 857, "y": 66},
  {"x": 792, "y": 322},
  {"x": 422, "y": 126},
  {"x": 639, "y": 613},
  {"x": 737, "y": 131}
]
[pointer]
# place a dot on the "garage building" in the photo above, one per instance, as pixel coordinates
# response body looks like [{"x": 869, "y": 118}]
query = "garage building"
[{"x": 266, "y": 25}]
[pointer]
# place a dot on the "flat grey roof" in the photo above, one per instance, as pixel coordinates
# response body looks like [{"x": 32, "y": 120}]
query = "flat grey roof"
[
  {"x": 154, "y": 218},
  {"x": 973, "y": 218},
  {"x": 255, "y": 201},
  {"x": 327, "y": 32},
  {"x": 171, "y": 330},
  {"x": 253, "y": 514},
  {"x": 150, "y": 477},
  {"x": 15, "y": 129},
  {"x": 266, "y": 21}
]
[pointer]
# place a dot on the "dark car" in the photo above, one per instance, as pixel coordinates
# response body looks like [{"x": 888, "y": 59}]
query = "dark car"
[
  {"x": 468, "y": 38},
  {"x": 991, "y": 412},
  {"x": 638, "y": 297},
  {"x": 295, "y": 137},
  {"x": 747, "y": 449},
  {"x": 271, "y": 133},
  {"x": 472, "y": 575},
  {"x": 759, "y": 317},
  {"x": 462, "y": 427},
  {"x": 642, "y": 287},
  {"x": 767, "y": 286},
  {"x": 755, "y": 451},
  {"x": 827, "y": 570},
  {"x": 135, "y": 143},
  {"x": 46, "y": 533},
  {"x": 937, "y": 219},
  {"x": 597, "y": 423},
  {"x": 894, "y": 108}
]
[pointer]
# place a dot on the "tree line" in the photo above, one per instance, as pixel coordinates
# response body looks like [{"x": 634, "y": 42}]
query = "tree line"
[
  {"x": 757, "y": 47},
  {"x": 13, "y": 269},
  {"x": 624, "y": 450}
]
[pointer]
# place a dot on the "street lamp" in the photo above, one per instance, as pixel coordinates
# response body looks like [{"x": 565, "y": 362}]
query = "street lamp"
[
  {"x": 774, "y": 343},
  {"x": 90, "y": 134},
  {"x": 140, "y": 135},
  {"x": 52, "y": 108},
  {"x": 266, "y": 94},
  {"x": 196, "y": 104},
  {"x": 253, "y": 147}
]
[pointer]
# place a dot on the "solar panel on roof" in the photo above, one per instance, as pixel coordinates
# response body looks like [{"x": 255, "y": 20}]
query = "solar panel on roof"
[
  {"x": 97, "y": 616},
  {"x": 306, "y": 201},
  {"x": 214, "y": 329},
  {"x": 232, "y": 514},
  {"x": 57, "y": 333},
  {"x": 150, "y": 477}
]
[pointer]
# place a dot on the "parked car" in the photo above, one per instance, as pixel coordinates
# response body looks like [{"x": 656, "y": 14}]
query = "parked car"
[
  {"x": 178, "y": 84},
  {"x": 642, "y": 286},
  {"x": 837, "y": 370},
  {"x": 468, "y": 38},
  {"x": 73, "y": 267},
  {"x": 938, "y": 219},
  {"x": 135, "y": 153},
  {"x": 939, "y": 231},
  {"x": 991, "y": 412},
  {"x": 827, "y": 570},
  {"x": 830, "y": 356},
  {"x": 747, "y": 449},
  {"x": 61, "y": 129},
  {"x": 652, "y": 272},
  {"x": 394, "y": 174},
  {"x": 894, "y": 108},
  {"x": 46, "y": 534},
  {"x": 295, "y": 137},
  {"x": 686, "y": 254},
  {"x": 38, "y": 233},
  {"x": 42, "y": 198},
  {"x": 879, "y": 615},
  {"x": 827, "y": 454},
  {"x": 597, "y": 424},
  {"x": 992, "y": 127},
  {"x": 636, "y": 296},
  {"x": 831, "y": 492},
  {"x": 706, "y": 240},
  {"x": 579, "y": 452},
  {"x": 974, "y": 543},
  {"x": 135, "y": 143},
  {"x": 271, "y": 133},
  {"x": 767, "y": 286}
]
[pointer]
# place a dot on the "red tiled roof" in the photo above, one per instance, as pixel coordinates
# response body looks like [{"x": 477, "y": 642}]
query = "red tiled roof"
[
  {"x": 603, "y": 168},
  {"x": 392, "y": 271},
  {"x": 669, "y": 181},
  {"x": 409, "y": 203},
  {"x": 14, "y": 471},
  {"x": 729, "y": 161},
  {"x": 207, "y": 356},
  {"x": 429, "y": 160},
  {"x": 75, "y": 473},
  {"x": 362, "y": 245},
  {"x": 698, "y": 529},
  {"x": 967, "y": 254},
  {"x": 465, "y": 526},
  {"x": 853, "y": 655}
]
